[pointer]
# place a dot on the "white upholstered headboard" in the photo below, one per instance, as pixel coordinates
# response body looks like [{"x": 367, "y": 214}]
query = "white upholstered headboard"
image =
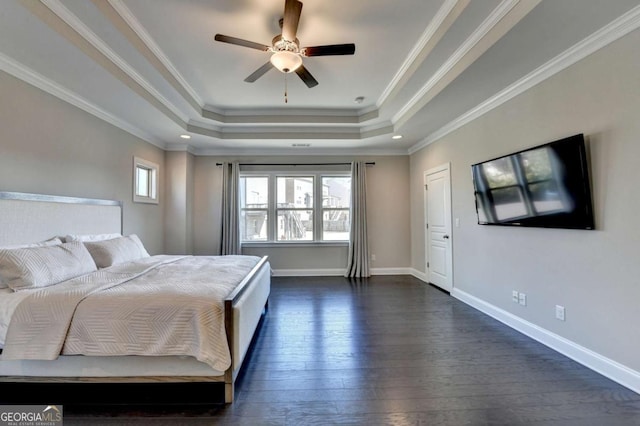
[{"x": 28, "y": 218}]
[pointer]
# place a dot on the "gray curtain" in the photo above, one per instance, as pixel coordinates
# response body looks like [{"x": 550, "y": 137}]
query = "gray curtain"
[
  {"x": 358, "y": 260},
  {"x": 230, "y": 243}
]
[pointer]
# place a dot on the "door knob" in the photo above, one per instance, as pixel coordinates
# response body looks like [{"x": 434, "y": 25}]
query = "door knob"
[{"x": 446, "y": 237}]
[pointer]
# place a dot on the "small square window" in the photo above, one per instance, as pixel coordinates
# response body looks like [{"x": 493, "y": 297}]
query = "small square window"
[{"x": 145, "y": 181}]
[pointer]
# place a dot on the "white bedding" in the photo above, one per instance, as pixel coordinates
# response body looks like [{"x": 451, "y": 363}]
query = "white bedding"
[
  {"x": 162, "y": 305},
  {"x": 9, "y": 299}
]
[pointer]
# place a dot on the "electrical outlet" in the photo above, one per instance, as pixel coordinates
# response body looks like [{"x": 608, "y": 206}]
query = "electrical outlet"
[
  {"x": 515, "y": 296},
  {"x": 522, "y": 299},
  {"x": 560, "y": 312},
  {"x": 373, "y": 257}
]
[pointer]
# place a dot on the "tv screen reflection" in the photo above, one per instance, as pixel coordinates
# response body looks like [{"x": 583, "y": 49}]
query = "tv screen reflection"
[{"x": 521, "y": 186}]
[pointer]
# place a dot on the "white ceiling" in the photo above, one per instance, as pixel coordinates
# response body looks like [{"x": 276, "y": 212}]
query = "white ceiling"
[{"x": 424, "y": 67}]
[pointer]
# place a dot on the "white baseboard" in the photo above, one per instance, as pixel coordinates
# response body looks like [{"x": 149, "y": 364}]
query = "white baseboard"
[
  {"x": 420, "y": 275},
  {"x": 308, "y": 272},
  {"x": 336, "y": 272},
  {"x": 390, "y": 271},
  {"x": 601, "y": 364}
]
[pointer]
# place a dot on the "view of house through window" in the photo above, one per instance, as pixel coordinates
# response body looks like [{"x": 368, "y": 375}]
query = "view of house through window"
[
  {"x": 336, "y": 201},
  {"x": 294, "y": 208},
  {"x": 283, "y": 208},
  {"x": 254, "y": 208}
]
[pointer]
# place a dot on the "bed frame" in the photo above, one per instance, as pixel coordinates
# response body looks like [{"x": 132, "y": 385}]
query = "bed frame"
[{"x": 26, "y": 218}]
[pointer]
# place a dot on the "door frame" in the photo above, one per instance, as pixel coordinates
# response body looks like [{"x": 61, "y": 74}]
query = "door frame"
[{"x": 446, "y": 167}]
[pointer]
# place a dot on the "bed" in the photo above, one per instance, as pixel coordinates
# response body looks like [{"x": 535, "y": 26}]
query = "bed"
[{"x": 129, "y": 319}]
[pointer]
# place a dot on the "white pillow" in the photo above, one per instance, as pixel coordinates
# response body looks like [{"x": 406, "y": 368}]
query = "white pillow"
[
  {"x": 51, "y": 242},
  {"x": 36, "y": 267},
  {"x": 116, "y": 250},
  {"x": 90, "y": 237}
]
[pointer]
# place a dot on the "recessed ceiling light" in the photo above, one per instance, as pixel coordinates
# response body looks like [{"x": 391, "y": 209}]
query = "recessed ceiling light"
[
  {"x": 396, "y": 137},
  {"x": 185, "y": 136},
  {"x": 359, "y": 99}
]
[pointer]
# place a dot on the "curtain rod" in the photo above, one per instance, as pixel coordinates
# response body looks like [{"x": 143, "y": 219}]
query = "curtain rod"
[{"x": 299, "y": 164}]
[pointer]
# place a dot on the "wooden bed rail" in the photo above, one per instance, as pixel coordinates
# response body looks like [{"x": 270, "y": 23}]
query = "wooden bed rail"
[{"x": 230, "y": 375}]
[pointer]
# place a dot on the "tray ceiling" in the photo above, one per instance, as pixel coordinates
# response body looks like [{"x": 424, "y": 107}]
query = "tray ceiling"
[{"x": 421, "y": 68}]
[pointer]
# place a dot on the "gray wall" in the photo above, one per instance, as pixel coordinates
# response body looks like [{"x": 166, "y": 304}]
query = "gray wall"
[
  {"x": 50, "y": 147},
  {"x": 387, "y": 203},
  {"x": 179, "y": 181},
  {"x": 594, "y": 274}
]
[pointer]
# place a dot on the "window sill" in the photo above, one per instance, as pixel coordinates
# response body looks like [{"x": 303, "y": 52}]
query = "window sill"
[
  {"x": 296, "y": 244},
  {"x": 145, "y": 200}
]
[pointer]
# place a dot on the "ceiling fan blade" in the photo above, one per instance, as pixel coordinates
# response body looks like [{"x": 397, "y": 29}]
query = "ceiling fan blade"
[
  {"x": 241, "y": 42},
  {"x": 331, "y": 49},
  {"x": 306, "y": 77},
  {"x": 259, "y": 72},
  {"x": 292, "y": 11}
]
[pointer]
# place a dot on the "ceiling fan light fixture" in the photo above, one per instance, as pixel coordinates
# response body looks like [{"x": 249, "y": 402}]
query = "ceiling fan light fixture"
[{"x": 286, "y": 61}]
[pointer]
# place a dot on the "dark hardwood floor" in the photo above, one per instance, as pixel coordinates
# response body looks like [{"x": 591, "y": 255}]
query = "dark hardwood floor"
[{"x": 391, "y": 350}]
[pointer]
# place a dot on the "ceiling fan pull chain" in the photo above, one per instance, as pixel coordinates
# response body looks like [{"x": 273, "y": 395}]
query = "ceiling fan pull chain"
[{"x": 286, "y": 100}]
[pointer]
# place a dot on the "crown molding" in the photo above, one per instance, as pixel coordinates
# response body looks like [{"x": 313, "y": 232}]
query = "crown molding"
[
  {"x": 437, "y": 27},
  {"x": 21, "y": 72},
  {"x": 180, "y": 147},
  {"x": 204, "y": 131},
  {"x": 180, "y": 83},
  {"x": 83, "y": 31},
  {"x": 458, "y": 61},
  {"x": 284, "y": 115},
  {"x": 289, "y": 132},
  {"x": 611, "y": 32},
  {"x": 379, "y": 130},
  {"x": 306, "y": 151},
  {"x": 292, "y": 133}
]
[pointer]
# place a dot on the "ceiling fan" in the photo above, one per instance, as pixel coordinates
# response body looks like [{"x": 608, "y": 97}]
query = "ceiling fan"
[{"x": 287, "y": 53}]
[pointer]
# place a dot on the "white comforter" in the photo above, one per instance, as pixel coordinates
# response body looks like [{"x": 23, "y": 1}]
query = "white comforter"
[{"x": 162, "y": 305}]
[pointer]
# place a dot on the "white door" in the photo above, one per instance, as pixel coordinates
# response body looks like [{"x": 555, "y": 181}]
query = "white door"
[{"x": 438, "y": 239}]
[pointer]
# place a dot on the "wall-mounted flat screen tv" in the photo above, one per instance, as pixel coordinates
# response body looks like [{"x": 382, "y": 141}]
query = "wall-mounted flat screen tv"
[{"x": 546, "y": 186}]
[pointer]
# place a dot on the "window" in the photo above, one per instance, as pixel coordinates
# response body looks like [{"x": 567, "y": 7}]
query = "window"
[
  {"x": 254, "y": 208},
  {"x": 285, "y": 207},
  {"x": 336, "y": 200},
  {"x": 145, "y": 181},
  {"x": 294, "y": 208}
]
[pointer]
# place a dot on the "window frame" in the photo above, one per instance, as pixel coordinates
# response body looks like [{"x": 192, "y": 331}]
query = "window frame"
[
  {"x": 255, "y": 209},
  {"x": 278, "y": 209},
  {"x": 273, "y": 209},
  {"x": 323, "y": 209},
  {"x": 153, "y": 171}
]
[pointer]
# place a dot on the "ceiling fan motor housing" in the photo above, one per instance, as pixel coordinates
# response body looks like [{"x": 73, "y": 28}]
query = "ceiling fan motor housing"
[{"x": 279, "y": 44}]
